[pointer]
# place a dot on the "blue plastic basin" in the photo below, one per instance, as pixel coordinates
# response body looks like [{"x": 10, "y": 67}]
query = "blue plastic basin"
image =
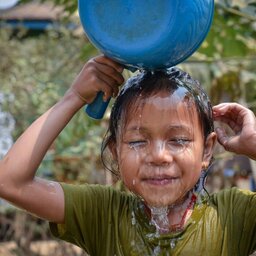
[{"x": 151, "y": 34}]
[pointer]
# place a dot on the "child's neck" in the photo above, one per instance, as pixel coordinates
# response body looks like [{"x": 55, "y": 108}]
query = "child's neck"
[
  {"x": 174, "y": 217},
  {"x": 181, "y": 212}
]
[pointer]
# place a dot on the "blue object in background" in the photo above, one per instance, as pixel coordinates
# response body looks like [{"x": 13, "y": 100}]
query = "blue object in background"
[{"x": 146, "y": 34}]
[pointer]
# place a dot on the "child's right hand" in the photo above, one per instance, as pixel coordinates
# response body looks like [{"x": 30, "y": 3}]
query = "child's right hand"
[{"x": 98, "y": 74}]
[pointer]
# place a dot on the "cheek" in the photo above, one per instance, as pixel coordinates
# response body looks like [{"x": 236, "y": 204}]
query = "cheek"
[
  {"x": 129, "y": 161},
  {"x": 191, "y": 163},
  {"x": 129, "y": 156}
]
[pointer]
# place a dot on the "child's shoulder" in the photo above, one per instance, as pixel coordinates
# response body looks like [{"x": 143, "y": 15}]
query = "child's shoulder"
[
  {"x": 109, "y": 192},
  {"x": 233, "y": 196},
  {"x": 235, "y": 191}
]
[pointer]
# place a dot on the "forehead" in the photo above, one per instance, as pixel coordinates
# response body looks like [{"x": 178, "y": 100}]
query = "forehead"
[{"x": 164, "y": 109}]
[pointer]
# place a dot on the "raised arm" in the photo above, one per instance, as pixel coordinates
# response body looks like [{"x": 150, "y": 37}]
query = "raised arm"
[
  {"x": 18, "y": 183},
  {"x": 243, "y": 123}
]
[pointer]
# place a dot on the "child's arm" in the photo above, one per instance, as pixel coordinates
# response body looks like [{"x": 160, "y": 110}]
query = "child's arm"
[
  {"x": 243, "y": 123},
  {"x": 18, "y": 183}
]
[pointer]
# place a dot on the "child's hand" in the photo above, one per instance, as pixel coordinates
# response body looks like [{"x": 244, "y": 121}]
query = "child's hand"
[
  {"x": 98, "y": 74},
  {"x": 243, "y": 123}
]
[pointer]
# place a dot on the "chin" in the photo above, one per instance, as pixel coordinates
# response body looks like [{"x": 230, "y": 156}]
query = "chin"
[
  {"x": 157, "y": 200},
  {"x": 159, "y": 197}
]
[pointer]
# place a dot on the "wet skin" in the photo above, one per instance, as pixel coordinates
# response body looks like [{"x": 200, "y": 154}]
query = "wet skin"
[{"x": 161, "y": 149}]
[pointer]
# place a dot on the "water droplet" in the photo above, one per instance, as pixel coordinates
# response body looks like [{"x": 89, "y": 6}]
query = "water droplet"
[
  {"x": 173, "y": 243},
  {"x": 133, "y": 219},
  {"x": 157, "y": 250},
  {"x": 51, "y": 188}
]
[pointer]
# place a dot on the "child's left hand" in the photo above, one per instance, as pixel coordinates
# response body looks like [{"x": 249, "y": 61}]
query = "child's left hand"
[{"x": 243, "y": 123}]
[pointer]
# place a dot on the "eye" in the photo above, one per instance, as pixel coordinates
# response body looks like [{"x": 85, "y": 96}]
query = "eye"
[
  {"x": 179, "y": 142},
  {"x": 137, "y": 143}
]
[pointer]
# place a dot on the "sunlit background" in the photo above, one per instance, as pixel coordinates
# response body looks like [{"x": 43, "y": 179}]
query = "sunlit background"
[{"x": 43, "y": 47}]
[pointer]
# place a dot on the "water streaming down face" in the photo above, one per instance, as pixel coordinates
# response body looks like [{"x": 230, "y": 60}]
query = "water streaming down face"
[
  {"x": 159, "y": 132},
  {"x": 169, "y": 141},
  {"x": 160, "y": 141},
  {"x": 145, "y": 84}
]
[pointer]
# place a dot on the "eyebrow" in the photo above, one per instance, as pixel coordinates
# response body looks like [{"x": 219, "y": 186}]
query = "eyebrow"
[
  {"x": 170, "y": 128},
  {"x": 180, "y": 127}
]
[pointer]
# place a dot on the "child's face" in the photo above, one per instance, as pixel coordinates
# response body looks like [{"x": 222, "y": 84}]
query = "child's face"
[{"x": 160, "y": 150}]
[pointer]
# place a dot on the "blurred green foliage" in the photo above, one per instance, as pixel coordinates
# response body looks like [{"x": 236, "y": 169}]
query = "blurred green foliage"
[
  {"x": 39, "y": 69},
  {"x": 228, "y": 54}
]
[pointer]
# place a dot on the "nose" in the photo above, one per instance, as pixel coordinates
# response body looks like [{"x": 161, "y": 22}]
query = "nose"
[{"x": 158, "y": 154}]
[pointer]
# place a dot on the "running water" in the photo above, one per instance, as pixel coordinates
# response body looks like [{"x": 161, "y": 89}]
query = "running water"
[
  {"x": 7, "y": 124},
  {"x": 159, "y": 218}
]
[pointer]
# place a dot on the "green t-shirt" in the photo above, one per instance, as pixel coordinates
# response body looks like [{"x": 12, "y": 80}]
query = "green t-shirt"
[{"x": 105, "y": 221}]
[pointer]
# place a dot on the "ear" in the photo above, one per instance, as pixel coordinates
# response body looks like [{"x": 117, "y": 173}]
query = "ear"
[
  {"x": 208, "y": 149},
  {"x": 112, "y": 149}
]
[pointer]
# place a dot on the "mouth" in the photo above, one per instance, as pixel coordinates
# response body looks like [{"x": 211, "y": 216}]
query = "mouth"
[{"x": 160, "y": 180}]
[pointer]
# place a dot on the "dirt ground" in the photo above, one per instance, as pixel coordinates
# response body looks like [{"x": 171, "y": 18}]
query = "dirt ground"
[
  {"x": 46, "y": 248},
  {"x": 42, "y": 248}
]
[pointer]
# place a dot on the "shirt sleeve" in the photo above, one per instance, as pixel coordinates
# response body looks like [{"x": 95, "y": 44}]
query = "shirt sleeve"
[
  {"x": 246, "y": 208},
  {"x": 237, "y": 212},
  {"x": 89, "y": 216}
]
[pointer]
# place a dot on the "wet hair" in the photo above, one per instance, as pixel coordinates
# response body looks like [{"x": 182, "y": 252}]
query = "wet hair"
[{"x": 146, "y": 84}]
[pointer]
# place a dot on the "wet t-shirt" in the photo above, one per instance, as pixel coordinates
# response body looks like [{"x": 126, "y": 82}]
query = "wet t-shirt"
[{"x": 106, "y": 221}]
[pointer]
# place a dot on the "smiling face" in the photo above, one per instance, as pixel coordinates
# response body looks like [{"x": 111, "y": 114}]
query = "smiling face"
[{"x": 161, "y": 149}]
